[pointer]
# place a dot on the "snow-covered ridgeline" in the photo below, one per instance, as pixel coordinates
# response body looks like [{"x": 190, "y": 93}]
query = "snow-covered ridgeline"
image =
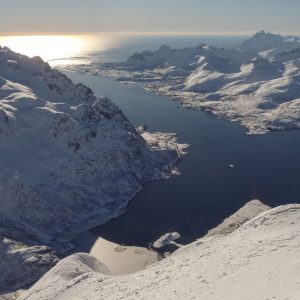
[
  {"x": 68, "y": 160},
  {"x": 257, "y": 85},
  {"x": 255, "y": 260}
]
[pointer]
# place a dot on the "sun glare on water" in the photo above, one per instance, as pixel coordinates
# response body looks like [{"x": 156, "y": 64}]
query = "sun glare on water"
[{"x": 52, "y": 48}]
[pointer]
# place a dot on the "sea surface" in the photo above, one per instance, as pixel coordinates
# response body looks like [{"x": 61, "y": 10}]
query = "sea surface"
[{"x": 207, "y": 191}]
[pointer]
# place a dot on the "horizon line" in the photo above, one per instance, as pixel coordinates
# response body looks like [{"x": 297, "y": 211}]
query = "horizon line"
[{"x": 149, "y": 33}]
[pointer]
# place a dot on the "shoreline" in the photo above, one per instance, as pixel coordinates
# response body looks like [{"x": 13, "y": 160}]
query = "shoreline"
[
  {"x": 165, "y": 173},
  {"x": 119, "y": 259}
]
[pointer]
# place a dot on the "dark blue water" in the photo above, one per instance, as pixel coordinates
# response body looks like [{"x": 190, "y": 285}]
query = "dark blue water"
[{"x": 266, "y": 167}]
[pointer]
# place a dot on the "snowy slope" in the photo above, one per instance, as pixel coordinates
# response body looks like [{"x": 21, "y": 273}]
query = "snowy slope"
[
  {"x": 257, "y": 85},
  {"x": 259, "y": 260}
]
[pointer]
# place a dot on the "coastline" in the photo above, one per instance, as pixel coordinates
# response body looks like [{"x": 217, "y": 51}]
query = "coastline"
[{"x": 119, "y": 259}]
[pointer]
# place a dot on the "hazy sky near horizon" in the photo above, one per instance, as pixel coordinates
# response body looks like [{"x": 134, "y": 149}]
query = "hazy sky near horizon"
[{"x": 198, "y": 16}]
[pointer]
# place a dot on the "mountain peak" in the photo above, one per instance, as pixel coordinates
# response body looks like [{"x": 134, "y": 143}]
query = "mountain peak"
[
  {"x": 265, "y": 41},
  {"x": 41, "y": 106},
  {"x": 164, "y": 48},
  {"x": 262, "y": 32}
]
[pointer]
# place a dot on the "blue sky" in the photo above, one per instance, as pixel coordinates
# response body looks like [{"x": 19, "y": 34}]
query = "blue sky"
[{"x": 199, "y": 16}]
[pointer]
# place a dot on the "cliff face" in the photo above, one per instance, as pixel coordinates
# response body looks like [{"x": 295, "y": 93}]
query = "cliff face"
[{"x": 259, "y": 260}]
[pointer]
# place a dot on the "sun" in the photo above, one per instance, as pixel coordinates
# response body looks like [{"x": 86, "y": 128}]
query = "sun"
[{"x": 49, "y": 47}]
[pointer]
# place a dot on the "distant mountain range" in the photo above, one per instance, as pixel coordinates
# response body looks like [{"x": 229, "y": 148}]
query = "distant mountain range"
[{"x": 257, "y": 84}]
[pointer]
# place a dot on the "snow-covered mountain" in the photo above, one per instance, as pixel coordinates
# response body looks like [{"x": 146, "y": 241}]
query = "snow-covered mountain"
[
  {"x": 68, "y": 160},
  {"x": 286, "y": 56},
  {"x": 22, "y": 262},
  {"x": 255, "y": 260},
  {"x": 186, "y": 58},
  {"x": 257, "y": 85},
  {"x": 266, "y": 41},
  {"x": 264, "y": 95}
]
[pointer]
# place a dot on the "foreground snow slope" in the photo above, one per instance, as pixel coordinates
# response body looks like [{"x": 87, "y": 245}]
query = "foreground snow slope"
[
  {"x": 257, "y": 85},
  {"x": 259, "y": 260},
  {"x": 68, "y": 161}
]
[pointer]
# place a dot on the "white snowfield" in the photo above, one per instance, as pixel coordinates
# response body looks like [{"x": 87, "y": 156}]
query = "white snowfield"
[
  {"x": 258, "y": 260},
  {"x": 257, "y": 85},
  {"x": 68, "y": 160}
]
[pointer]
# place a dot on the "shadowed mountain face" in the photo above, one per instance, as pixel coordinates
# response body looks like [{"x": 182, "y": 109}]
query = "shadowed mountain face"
[
  {"x": 68, "y": 157},
  {"x": 68, "y": 161}
]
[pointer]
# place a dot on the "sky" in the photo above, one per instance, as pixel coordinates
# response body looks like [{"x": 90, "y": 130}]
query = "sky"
[{"x": 151, "y": 16}]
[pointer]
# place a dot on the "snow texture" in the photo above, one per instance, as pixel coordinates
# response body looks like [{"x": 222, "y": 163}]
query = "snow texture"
[
  {"x": 257, "y": 85},
  {"x": 69, "y": 160},
  {"x": 258, "y": 260}
]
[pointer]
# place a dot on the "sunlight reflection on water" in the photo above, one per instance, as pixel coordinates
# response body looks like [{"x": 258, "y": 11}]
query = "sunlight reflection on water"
[
  {"x": 58, "y": 49},
  {"x": 104, "y": 47}
]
